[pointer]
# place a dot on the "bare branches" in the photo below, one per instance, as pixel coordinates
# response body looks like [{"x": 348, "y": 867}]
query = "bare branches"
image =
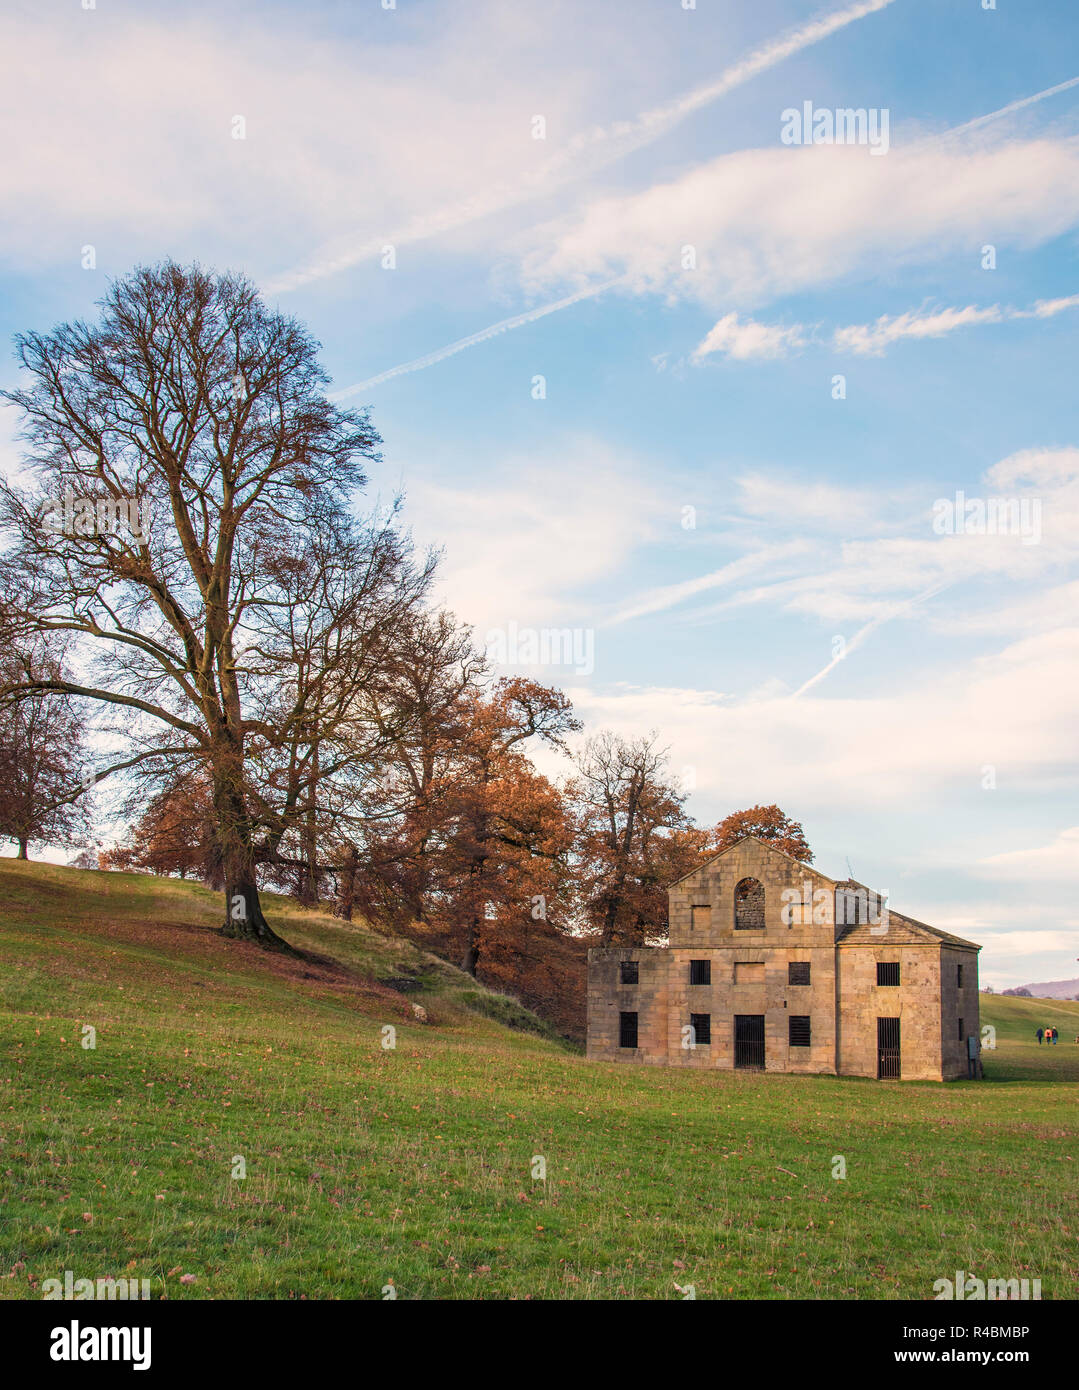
[{"x": 180, "y": 446}]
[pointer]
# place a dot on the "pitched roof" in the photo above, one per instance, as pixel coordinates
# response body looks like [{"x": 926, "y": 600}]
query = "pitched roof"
[
  {"x": 808, "y": 868},
  {"x": 902, "y": 931}
]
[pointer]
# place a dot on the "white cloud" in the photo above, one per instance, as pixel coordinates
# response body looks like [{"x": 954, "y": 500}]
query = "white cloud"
[
  {"x": 747, "y": 339},
  {"x": 1058, "y": 860},
  {"x": 1011, "y": 108},
  {"x": 1045, "y": 469},
  {"x": 395, "y": 129},
  {"x": 893, "y": 562},
  {"x": 1049, "y": 308},
  {"x": 902, "y": 608},
  {"x": 871, "y": 339},
  {"x": 769, "y": 497},
  {"x": 131, "y": 136},
  {"x": 1012, "y": 709},
  {"x": 528, "y": 544},
  {"x": 774, "y": 221},
  {"x": 1041, "y": 608},
  {"x": 743, "y": 341}
]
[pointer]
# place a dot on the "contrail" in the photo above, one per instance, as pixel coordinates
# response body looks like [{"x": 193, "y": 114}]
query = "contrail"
[
  {"x": 893, "y": 611},
  {"x": 1014, "y": 106},
  {"x": 492, "y": 331},
  {"x": 659, "y": 600},
  {"x": 594, "y": 148},
  {"x": 658, "y": 121}
]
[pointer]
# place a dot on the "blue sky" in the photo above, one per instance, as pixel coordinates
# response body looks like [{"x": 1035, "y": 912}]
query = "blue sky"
[{"x": 938, "y": 755}]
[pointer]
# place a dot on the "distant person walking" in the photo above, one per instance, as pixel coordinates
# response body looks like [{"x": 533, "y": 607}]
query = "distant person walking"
[
  {"x": 1038, "y": 1035},
  {"x": 1056, "y": 1035}
]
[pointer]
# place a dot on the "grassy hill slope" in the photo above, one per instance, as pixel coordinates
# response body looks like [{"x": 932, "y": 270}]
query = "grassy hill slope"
[{"x": 367, "y": 1166}]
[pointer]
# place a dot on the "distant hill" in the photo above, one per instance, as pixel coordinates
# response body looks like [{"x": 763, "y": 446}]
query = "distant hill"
[{"x": 1055, "y": 989}]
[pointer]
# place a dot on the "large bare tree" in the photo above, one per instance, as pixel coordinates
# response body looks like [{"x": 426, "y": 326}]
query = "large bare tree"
[
  {"x": 634, "y": 835},
  {"x": 206, "y": 410}
]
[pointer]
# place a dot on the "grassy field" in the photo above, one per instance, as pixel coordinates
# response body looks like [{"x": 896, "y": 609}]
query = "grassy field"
[{"x": 368, "y": 1166}]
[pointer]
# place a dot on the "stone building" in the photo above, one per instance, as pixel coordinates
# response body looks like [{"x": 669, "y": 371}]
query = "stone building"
[{"x": 773, "y": 966}]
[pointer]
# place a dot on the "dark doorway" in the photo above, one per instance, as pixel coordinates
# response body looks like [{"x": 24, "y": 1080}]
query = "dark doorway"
[
  {"x": 749, "y": 1042},
  {"x": 888, "y": 1059}
]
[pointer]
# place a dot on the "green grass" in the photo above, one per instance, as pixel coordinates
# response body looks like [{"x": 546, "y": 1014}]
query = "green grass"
[{"x": 413, "y": 1165}]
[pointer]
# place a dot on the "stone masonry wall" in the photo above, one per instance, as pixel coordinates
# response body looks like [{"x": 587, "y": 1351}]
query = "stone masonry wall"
[
  {"x": 915, "y": 1002},
  {"x": 958, "y": 1003},
  {"x": 608, "y": 997}
]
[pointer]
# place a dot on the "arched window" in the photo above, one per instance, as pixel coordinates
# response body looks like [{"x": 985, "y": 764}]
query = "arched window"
[{"x": 749, "y": 905}]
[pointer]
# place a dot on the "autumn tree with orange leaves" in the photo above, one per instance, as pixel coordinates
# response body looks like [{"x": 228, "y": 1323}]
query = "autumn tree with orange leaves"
[
  {"x": 766, "y": 823},
  {"x": 507, "y": 836},
  {"x": 174, "y": 835}
]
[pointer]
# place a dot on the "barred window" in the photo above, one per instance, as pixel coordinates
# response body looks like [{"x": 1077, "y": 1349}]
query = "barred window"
[
  {"x": 702, "y": 1028},
  {"x": 627, "y": 1030},
  {"x": 798, "y": 1031},
  {"x": 887, "y": 972},
  {"x": 960, "y": 1030},
  {"x": 959, "y": 976},
  {"x": 629, "y": 972},
  {"x": 798, "y": 972},
  {"x": 700, "y": 972}
]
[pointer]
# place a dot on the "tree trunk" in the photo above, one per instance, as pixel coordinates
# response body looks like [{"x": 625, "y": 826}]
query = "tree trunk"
[
  {"x": 309, "y": 875},
  {"x": 610, "y": 916},
  {"x": 417, "y": 897},
  {"x": 417, "y": 893},
  {"x": 472, "y": 950},
  {"x": 476, "y": 897},
  {"x": 346, "y": 892},
  {"x": 24, "y": 845},
  {"x": 244, "y": 919}
]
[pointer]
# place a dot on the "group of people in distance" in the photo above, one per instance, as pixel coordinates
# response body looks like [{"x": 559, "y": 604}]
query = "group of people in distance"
[{"x": 1051, "y": 1035}]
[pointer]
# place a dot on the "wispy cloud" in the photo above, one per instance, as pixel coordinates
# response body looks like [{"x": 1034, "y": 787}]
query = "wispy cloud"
[
  {"x": 669, "y": 595},
  {"x": 1047, "y": 308},
  {"x": 1058, "y": 860},
  {"x": 890, "y": 562},
  {"x": 749, "y": 338},
  {"x": 781, "y": 220},
  {"x": 583, "y": 154},
  {"x": 538, "y": 540},
  {"x": 909, "y": 738},
  {"x": 871, "y": 340}
]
